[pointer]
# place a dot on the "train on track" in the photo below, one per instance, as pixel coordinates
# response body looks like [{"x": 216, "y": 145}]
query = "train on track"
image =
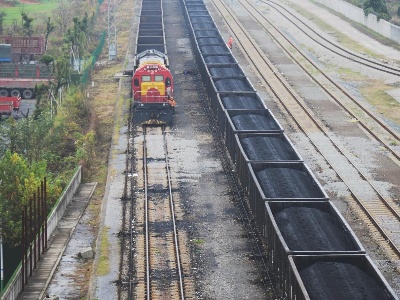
[
  {"x": 152, "y": 84},
  {"x": 313, "y": 253}
]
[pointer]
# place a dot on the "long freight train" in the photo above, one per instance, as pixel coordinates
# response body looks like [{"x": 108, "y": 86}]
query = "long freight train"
[
  {"x": 152, "y": 82},
  {"x": 313, "y": 252}
]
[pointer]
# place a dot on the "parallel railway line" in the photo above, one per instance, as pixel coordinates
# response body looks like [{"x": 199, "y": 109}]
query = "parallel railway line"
[
  {"x": 380, "y": 213},
  {"x": 327, "y": 44},
  {"x": 327, "y": 84}
]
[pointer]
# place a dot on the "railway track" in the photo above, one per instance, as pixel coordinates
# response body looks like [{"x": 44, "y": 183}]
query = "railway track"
[
  {"x": 162, "y": 260},
  {"x": 378, "y": 129},
  {"x": 327, "y": 44},
  {"x": 380, "y": 215}
]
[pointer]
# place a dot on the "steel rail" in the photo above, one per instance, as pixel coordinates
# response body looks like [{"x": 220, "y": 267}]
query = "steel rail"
[
  {"x": 146, "y": 214},
  {"x": 172, "y": 207},
  {"x": 394, "y": 134},
  {"x": 243, "y": 34},
  {"x": 396, "y": 70}
]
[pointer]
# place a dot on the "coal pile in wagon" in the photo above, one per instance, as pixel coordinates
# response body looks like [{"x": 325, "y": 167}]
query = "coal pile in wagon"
[
  {"x": 241, "y": 102},
  {"x": 207, "y": 33},
  {"x": 209, "y": 41},
  {"x": 209, "y": 25},
  {"x": 196, "y": 8},
  {"x": 205, "y": 19},
  {"x": 214, "y": 50},
  {"x": 198, "y": 13},
  {"x": 219, "y": 59},
  {"x": 254, "y": 122},
  {"x": 336, "y": 280},
  {"x": 225, "y": 72},
  {"x": 232, "y": 85},
  {"x": 285, "y": 182},
  {"x": 267, "y": 148},
  {"x": 311, "y": 229}
]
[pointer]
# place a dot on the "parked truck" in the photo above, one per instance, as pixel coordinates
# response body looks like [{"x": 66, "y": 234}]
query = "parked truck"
[
  {"x": 18, "y": 79},
  {"x": 24, "y": 48},
  {"x": 8, "y": 105}
]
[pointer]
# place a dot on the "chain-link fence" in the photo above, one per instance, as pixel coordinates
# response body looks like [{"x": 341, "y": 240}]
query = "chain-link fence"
[{"x": 92, "y": 61}]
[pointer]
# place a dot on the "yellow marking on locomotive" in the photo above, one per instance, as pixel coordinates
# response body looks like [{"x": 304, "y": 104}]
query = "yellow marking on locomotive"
[
  {"x": 151, "y": 63},
  {"x": 160, "y": 86}
]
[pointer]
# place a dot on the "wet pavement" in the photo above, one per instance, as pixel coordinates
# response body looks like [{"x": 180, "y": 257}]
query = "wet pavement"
[{"x": 42, "y": 275}]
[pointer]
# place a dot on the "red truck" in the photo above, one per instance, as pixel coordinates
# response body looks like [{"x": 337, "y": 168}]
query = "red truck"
[
  {"x": 18, "y": 79},
  {"x": 9, "y": 104},
  {"x": 24, "y": 48}
]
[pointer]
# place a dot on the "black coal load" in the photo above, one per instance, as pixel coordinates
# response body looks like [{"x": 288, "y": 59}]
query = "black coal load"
[
  {"x": 241, "y": 102},
  {"x": 206, "y": 33},
  {"x": 209, "y": 41},
  {"x": 311, "y": 229},
  {"x": 267, "y": 148},
  {"x": 197, "y": 8},
  {"x": 209, "y": 25},
  {"x": 254, "y": 122},
  {"x": 225, "y": 72},
  {"x": 198, "y": 13},
  {"x": 201, "y": 19},
  {"x": 232, "y": 85},
  {"x": 337, "y": 281},
  {"x": 286, "y": 182},
  {"x": 219, "y": 59},
  {"x": 214, "y": 50}
]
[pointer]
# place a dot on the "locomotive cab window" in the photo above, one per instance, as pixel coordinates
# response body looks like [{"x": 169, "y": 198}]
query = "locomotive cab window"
[
  {"x": 158, "y": 78},
  {"x": 136, "y": 82},
  {"x": 168, "y": 81},
  {"x": 146, "y": 78}
]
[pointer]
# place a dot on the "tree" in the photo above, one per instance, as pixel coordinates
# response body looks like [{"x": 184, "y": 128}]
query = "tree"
[
  {"x": 376, "y": 7},
  {"x": 49, "y": 29},
  {"x": 17, "y": 183},
  {"x": 2, "y": 15},
  {"x": 46, "y": 59},
  {"x": 63, "y": 16},
  {"x": 27, "y": 24}
]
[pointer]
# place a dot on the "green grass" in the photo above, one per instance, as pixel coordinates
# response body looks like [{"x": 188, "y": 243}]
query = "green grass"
[
  {"x": 104, "y": 264},
  {"x": 36, "y": 11}
]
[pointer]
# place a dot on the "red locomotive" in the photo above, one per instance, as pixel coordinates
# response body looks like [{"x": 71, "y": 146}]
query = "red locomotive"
[{"x": 152, "y": 88}]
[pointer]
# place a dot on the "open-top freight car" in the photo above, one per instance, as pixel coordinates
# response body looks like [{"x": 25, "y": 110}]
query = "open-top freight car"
[{"x": 313, "y": 252}]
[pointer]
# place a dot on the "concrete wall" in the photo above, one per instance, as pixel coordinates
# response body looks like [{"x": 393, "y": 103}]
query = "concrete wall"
[
  {"x": 15, "y": 287},
  {"x": 356, "y": 14}
]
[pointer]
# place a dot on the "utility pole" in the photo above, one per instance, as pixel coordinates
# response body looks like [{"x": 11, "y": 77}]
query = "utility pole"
[{"x": 112, "y": 30}]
